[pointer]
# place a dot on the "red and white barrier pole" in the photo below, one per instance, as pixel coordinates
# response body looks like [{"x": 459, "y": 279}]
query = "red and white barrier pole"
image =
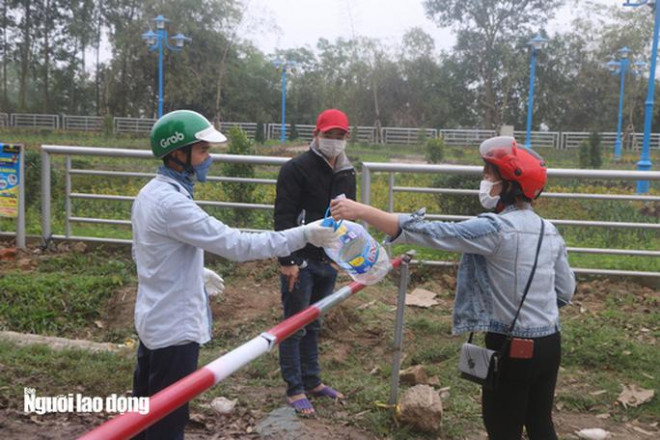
[{"x": 127, "y": 425}]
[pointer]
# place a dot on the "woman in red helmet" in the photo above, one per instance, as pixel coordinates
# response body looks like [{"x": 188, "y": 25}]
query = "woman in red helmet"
[{"x": 503, "y": 252}]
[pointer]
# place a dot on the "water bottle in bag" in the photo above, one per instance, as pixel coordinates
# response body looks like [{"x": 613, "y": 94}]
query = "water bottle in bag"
[{"x": 356, "y": 252}]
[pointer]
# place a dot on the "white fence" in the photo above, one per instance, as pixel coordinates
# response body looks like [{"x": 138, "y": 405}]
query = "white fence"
[
  {"x": 305, "y": 132},
  {"x": 397, "y": 135},
  {"x": 82, "y": 123},
  {"x": 365, "y": 134},
  {"x": 539, "y": 139},
  {"x": 250, "y": 128},
  {"x": 133, "y": 125},
  {"x": 31, "y": 120},
  {"x": 466, "y": 138},
  {"x": 632, "y": 141}
]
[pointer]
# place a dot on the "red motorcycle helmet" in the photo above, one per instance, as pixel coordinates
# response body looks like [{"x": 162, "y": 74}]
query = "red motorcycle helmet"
[{"x": 520, "y": 165}]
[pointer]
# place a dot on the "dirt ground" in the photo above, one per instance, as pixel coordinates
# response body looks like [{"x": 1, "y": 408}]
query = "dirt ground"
[{"x": 240, "y": 308}]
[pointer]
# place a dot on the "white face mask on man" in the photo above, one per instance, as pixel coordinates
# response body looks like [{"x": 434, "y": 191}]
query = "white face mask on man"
[
  {"x": 331, "y": 148},
  {"x": 487, "y": 201}
]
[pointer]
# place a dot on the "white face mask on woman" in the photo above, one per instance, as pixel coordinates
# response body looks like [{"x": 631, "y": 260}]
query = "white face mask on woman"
[
  {"x": 331, "y": 148},
  {"x": 487, "y": 201}
]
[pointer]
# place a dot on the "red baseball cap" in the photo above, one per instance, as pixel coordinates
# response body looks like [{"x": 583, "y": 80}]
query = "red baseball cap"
[{"x": 331, "y": 118}]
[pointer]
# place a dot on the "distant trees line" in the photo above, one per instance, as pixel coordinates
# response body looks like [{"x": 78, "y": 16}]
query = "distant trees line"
[{"x": 51, "y": 63}]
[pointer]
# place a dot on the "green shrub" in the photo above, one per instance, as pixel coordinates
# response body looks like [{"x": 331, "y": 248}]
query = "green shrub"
[
  {"x": 435, "y": 150},
  {"x": 293, "y": 133},
  {"x": 584, "y": 154},
  {"x": 108, "y": 127},
  {"x": 595, "y": 150},
  {"x": 236, "y": 191},
  {"x": 259, "y": 136},
  {"x": 458, "y": 204},
  {"x": 422, "y": 136},
  {"x": 591, "y": 152},
  {"x": 352, "y": 140},
  {"x": 32, "y": 176}
]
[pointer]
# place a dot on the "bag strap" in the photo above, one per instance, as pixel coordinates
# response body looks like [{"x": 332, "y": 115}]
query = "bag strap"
[
  {"x": 531, "y": 276},
  {"x": 529, "y": 283}
]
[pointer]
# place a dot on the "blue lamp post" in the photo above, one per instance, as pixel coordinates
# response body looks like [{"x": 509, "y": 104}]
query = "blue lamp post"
[
  {"x": 284, "y": 66},
  {"x": 158, "y": 41},
  {"x": 619, "y": 68},
  {"x": 644, "y": 163},
  {"x": 537, "y": 43}
]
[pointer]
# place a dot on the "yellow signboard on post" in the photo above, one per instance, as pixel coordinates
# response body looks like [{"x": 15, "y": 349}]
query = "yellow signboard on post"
[
  {"x": 12, "y": 187},
  {"x": 9, "y": 179}
]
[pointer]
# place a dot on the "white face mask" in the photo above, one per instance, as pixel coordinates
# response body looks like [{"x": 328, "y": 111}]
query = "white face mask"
[
  {"x": 331, "y": 148},
  {"x": 487, "y": 201}
]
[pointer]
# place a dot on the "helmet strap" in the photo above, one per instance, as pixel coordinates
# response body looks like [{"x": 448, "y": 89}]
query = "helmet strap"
[
  {"x": 511, "y": 193},
  {"x": 187, "y": 165}
]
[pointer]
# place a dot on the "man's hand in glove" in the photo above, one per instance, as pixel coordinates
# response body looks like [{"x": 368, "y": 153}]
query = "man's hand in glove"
[
  {"x": 213, "y": 283},
  {"x": 321, "y": 236}
]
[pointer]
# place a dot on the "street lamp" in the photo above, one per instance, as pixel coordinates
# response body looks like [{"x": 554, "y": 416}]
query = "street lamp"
[
  {"x": 644, "y": 163},
  {"x": 537, "y": 43},
  {"x": 619, "y": 68},
  {"x": 158, "y": 41},
  {"x": 284, "y": 66}
]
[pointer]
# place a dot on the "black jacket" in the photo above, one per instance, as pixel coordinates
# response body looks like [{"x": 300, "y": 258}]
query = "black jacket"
[{"x": 307, "y": 183}]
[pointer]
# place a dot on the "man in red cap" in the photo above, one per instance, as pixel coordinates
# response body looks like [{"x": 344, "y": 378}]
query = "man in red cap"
[{"x": 305, "y": 186}]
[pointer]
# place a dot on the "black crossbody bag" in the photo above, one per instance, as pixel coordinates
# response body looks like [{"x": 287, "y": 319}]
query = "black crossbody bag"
[{"x": 482, "y": 365}]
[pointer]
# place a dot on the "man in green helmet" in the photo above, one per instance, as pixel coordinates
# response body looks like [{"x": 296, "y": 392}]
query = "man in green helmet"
[{"x": 170, "y": 235}]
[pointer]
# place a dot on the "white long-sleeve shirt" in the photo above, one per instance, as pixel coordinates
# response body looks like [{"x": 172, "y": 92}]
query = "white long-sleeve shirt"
[{"x": 170, "y": 235}]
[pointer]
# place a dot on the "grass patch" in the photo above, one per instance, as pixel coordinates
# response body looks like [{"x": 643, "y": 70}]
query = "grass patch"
[
  {"x": 613, "y": 341},
  {"x": 46, "y": 302},
  {"x": 53, "y": 372}
]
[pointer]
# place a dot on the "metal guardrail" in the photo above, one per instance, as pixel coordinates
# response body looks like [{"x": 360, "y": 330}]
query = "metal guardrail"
[
  {"x": 368, "y": 168},
  {"x": 70, "y": 195},
  {"x": 4, "y": 119},
  {"x": 32, "y": 120},
  {"x": 82, "y": 123}
]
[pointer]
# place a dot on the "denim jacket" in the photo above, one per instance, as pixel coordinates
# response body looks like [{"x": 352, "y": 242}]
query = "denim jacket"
[{"x": 499, "y": 251}]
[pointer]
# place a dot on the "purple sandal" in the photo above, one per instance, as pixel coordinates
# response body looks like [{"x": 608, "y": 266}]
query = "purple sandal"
[
  {"x": 326, "y": 391},
  {"x": 303, "y": 407}
]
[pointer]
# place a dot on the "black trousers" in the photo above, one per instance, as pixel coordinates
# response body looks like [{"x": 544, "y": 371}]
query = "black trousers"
[
  {"x": 525, "y": 392},
  {"x": 157, "y": 369}
]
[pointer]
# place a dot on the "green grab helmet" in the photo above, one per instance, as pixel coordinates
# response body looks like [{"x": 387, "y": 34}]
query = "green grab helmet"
[{"x": 180, "y": 128}]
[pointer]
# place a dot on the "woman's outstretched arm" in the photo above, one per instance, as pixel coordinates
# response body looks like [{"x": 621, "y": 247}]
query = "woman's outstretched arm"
[{"x": 351, "y": 210}]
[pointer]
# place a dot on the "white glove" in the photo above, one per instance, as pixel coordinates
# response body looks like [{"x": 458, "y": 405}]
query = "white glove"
[
  {"x": 321, "y": 236},
  {"x": 213, "y": 283}
]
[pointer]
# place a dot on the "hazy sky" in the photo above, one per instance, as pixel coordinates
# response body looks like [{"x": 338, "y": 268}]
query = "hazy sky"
[{"x": 303, "y": 22}]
